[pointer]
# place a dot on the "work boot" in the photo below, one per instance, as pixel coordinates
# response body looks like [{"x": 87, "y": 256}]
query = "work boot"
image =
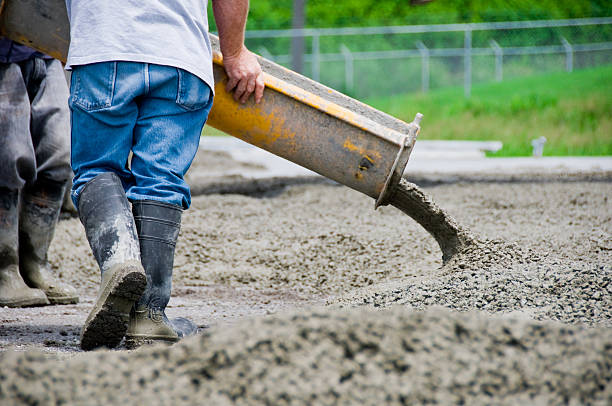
[
  {"x": 158, "y": 226},
  {"x": 105, "y": 213},
  {"x": 40, "y": 207},
  {"x": 13, "y": 290}
]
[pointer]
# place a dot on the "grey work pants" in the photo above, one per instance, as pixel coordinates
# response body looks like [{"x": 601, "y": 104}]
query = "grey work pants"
[{"x": 34, "y": 123}]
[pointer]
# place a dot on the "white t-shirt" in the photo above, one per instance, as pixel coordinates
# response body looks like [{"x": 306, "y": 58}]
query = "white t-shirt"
[{"x": 162, "y": 32}]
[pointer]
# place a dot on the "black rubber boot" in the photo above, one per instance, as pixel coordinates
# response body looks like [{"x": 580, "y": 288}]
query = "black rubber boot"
[
  {"x": 158, "y": 226},
  {"x": 40, "y": 207},
  {"x": 13, "y": 290},
  {"x": 105, "y": 213}
]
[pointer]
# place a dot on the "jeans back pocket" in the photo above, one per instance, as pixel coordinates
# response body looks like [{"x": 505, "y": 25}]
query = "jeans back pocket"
[
  {"x": 92, "y": 86},
  {"x": 192, "y": 92}
]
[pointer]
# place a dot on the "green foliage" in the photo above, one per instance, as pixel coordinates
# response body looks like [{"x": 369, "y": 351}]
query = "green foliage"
[
  {"x": 393, "y": 12},
  {"x": 572, "y": 110},
  {"x": 276, "y": 14}
]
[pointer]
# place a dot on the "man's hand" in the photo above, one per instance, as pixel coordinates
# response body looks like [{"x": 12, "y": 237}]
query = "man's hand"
[
  {"x": 245, "y": 75},
  {"x": 241, "y": 65}
]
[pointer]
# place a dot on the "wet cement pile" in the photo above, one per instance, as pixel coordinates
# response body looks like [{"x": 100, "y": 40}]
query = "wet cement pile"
[
  {"x": 336, "y": 357},
  {"x": 312, "y": 240},
  {"x": 495, "y": 277},
  {"x": 317, "y": 241},
  {"x": 543, "y": 253}
]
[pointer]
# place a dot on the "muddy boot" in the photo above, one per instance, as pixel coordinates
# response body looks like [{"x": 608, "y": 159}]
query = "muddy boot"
[
  {"x": 105, "y": 213},
  {"x": 158, "y": 227},
  {"x": 13, "y": 290},
  {"x": 40, "y": 207}
]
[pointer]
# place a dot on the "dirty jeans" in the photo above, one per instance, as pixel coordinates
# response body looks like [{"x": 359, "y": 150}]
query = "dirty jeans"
[
  {"x": 154, "y": 112},
  {"x": 34, "y": 123}
]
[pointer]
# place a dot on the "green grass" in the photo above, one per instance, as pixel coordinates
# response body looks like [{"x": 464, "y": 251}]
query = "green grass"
[
  {"x": 572, "y": 110},
  {"x": 209, "y": 131}
]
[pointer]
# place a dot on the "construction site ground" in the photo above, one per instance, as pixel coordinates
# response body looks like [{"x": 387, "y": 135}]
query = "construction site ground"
[{"x": 307, "y": 295}]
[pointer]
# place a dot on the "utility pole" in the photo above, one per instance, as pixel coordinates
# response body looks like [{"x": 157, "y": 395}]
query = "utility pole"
[{"x": 297, "y": 41}]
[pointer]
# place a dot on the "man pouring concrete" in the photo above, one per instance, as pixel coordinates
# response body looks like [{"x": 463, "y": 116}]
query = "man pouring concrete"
[{"x": 142, "y": 84}]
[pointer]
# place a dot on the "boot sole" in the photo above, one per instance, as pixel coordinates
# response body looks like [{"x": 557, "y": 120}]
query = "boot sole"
[
  {"x": 25, "y": 302},
  {"x": 133, "y": 342},
  {"x": 107, "y": 323},
  {"x": 63, "y": 300}
]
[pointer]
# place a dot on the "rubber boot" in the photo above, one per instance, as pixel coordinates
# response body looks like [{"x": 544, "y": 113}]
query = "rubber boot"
[
  {"x": 105, "y": 213},
  {"x": 158, "y": 226},
  {"x": 13, "y": 290},
  {"x": 40, "y": 207}
]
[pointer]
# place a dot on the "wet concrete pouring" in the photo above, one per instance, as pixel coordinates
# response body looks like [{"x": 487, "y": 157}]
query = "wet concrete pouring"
[{"x": 308, "y": 296}]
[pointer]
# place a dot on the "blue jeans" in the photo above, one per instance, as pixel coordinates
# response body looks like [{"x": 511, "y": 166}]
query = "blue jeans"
[{"x": 156, "y": 112}]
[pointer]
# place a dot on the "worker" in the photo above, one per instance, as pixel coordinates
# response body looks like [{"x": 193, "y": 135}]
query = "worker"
[
  {"x": 141, "y": 90},
  {"x": 34, "y": 171}
]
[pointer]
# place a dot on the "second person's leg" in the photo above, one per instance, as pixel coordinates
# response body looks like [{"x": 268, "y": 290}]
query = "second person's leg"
[
  {"x": 17, "y": 166},
  {"x": 41, "y": 199},
  {"x": 166, "y": 138}
]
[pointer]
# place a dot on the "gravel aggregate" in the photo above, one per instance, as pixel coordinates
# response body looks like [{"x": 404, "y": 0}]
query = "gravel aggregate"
[{"x": 354, "y": 306}]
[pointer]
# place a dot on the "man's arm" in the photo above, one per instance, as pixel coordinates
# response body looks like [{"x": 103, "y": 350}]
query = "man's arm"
[{"x": 241, "y": 66}]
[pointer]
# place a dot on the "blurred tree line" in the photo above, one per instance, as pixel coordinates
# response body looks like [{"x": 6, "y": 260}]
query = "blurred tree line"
[{"x": 276, "y": 14}]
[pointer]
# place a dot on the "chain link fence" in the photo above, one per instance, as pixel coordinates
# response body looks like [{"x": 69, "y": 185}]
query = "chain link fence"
[{"x": 374, "y": 62}]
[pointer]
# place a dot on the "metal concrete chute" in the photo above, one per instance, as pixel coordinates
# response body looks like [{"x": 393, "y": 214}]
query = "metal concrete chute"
[
  {"x": 318, "y": 128},
  {"x": 298, "y": 119},
  {"x": 40, "y": 24}
]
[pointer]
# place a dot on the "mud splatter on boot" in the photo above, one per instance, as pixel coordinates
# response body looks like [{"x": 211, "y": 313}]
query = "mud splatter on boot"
[
  {"x": 40, "y": 207},
  {"x": 105, "y": 213},
  {"x": 158, "y": 226}
]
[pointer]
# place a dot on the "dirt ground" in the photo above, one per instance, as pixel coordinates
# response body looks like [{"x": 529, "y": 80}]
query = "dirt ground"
[{"x": 306, "y": 295}]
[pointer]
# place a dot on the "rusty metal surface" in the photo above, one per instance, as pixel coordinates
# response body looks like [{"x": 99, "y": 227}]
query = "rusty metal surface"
[
  {"x": 314, "y": 133},
  {"x": 40, "y": 24}
]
